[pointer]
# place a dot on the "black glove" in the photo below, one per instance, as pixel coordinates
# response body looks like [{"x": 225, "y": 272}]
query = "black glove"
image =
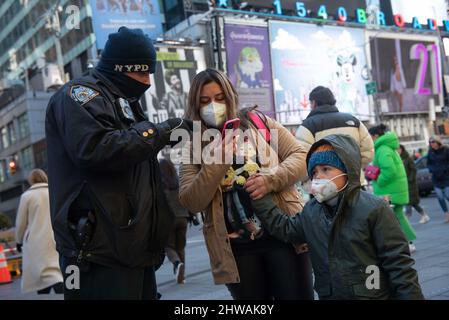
[
  {"x": 19, "y": 247},
  {"x": 168, "y": 126}
]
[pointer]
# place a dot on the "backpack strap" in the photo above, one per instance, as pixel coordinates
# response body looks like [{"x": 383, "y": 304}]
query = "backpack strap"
[{"x": 263, "y": 129}]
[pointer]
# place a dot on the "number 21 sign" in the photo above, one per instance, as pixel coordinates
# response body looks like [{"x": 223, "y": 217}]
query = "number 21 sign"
[{"x": 420, "y": 52}]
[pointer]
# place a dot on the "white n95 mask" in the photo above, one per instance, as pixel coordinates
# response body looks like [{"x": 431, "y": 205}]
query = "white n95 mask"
[{"x": 214, "y": 114}]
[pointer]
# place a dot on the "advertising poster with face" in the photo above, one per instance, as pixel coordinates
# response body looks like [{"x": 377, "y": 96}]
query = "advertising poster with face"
[
  {"x": 407, "y": 72},
  {"x": 170, "y": 84},
  {"x": 305, "y": 56},
  {"x": 249, "y": 66}
]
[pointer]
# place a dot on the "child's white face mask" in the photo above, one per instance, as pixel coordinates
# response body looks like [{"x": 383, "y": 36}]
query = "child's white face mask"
[{"x": 325, "y": 189}]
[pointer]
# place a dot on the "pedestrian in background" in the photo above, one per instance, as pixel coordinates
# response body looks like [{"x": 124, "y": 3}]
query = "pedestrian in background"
[
  {"x": 392, "y": 180},
  {"x": 438, "y": 164},
  {"x": 34, "y": 237},
  {"x": 106, "y": 199},
  {"x": 326, "y": 119},
  {"x": 413, "y": 191},
  {"x": 175, "y": 248}
]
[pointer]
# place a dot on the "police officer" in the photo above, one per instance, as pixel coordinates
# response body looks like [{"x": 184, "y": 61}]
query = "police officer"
[{"x": 109, "y": 221}]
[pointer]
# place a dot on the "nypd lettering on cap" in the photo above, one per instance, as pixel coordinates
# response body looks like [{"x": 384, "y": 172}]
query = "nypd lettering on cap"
[
  {"x": 82, "y": 94},
  {"x": 131, "y": 67}
]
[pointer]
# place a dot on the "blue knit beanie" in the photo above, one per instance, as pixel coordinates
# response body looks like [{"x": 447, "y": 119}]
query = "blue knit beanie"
[
  {"x": 325, "y": 156},
  {"x": 128, "y": 50}
]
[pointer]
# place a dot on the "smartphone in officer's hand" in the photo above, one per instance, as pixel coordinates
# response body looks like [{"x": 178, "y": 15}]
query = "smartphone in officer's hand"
[{"x": 230, "y": 124}]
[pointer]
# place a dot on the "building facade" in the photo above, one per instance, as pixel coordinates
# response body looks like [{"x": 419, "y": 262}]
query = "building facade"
[{"x": 30, "y": 70}]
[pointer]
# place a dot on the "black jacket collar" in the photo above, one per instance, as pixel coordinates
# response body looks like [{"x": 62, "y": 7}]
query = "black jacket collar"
[{"x": 323, "y": 109}]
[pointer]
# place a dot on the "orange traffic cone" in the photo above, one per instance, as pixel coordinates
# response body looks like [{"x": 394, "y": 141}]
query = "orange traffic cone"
[{"x": 5, "y": 276}]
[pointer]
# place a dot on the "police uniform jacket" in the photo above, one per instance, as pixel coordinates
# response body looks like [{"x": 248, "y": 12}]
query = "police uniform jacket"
[{"x": 102, "y": 158}]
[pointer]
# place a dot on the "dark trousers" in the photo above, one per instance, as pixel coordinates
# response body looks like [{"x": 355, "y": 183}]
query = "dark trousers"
[
  {"x": 418, "y": 208},
  {"x": 278, "y": 274},
  {"x": 176, "y": 244},
  {"x": 111, "y": 283}
]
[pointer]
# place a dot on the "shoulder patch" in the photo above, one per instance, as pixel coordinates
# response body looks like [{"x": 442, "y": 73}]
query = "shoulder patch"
[{"x": 82, "y": 94}]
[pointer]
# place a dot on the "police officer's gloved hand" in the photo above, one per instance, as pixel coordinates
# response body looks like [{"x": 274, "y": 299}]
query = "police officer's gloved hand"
[
  {"x": 170, "y": 125},
  {"x": 19, "y": 247}
]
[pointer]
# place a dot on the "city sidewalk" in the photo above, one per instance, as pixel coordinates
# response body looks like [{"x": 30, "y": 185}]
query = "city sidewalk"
[{"x": 432, "y": 263}]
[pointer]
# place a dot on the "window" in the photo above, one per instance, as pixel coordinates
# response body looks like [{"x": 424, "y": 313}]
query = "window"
[
  {"x": 12, "y": 133},
  {"x": 2, "y": 171},
  {"x": 4, "y": 135},
  {"x": 24, "y": 129},
  {"x": 26, "y": 159}
]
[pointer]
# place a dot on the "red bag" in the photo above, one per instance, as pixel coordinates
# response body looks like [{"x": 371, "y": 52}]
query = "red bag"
[{"x": 372, "y": 172}]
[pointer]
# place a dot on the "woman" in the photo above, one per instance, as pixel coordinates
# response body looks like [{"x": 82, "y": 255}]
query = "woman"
[
  {"x": 397, "y": 83},
  {"x": 413, "y": 191},
  {"x": 175, "y": 249},
  {"x": 250, "y": 262},
  {"x": 34, "y": 234},
  {"x": 392, "y": 180}
]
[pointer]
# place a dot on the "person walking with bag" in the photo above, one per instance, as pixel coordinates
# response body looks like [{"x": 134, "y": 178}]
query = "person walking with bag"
[{"x": 392, "y": 180}]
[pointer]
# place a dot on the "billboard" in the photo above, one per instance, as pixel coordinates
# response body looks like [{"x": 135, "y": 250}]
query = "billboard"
[
  {"x": 407, "y": 72},
  {"x": 305, "y": 56},
  {"x": 422, "y": 10},
  {"x": 170, "y": 84},
  {"x": 109, "y": 15},
  {"x": 248, "y": 65}
]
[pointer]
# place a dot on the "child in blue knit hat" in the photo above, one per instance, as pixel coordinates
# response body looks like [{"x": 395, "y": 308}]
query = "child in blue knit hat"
[{"x": 357, "y": 247}]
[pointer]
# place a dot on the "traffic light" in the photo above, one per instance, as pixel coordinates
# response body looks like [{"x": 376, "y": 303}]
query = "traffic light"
[{"x": 12, "y": 166}]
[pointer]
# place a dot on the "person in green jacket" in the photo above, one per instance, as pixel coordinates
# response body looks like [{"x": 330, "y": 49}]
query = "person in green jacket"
[
  {"x": 392, "y": 181},
  {"x": 357, "y": 248}
]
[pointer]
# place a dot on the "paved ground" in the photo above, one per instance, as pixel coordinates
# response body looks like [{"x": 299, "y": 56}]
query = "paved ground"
[{"x": 432, "y": 263}]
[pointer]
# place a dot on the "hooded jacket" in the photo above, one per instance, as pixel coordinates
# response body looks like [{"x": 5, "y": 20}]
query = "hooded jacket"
[
  {"x": 392, "y": 180},
  {"x": 345, "y": 248}
]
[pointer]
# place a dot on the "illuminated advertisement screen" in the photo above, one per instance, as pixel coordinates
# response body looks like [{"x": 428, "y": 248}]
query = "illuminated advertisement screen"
[
  {"x": 305, "y": 56},
  {"x": 423, "y": 10},
  {"x": 109, "y": 15},
  {"x": 176, "y": 67},
  {"x": 289, "y": 7},
  {"x": 249, "y": 66},
  {"x": 407, "y": 72}
]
